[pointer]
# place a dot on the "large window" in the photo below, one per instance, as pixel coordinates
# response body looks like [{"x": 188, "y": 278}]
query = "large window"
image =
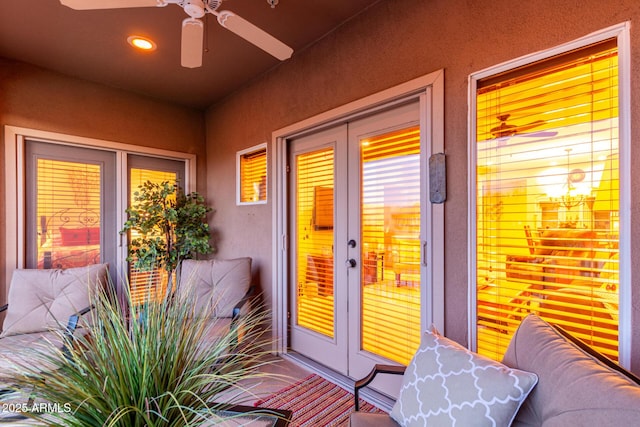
[{"x": 547, "y": 198}]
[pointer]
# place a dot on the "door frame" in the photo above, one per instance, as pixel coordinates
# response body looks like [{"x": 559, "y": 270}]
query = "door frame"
[{"x": 429, "y": 90}]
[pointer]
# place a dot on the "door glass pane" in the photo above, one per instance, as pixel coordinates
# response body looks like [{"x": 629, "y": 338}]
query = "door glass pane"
[
  {"x": 548, "y": 199},
  {"x": 391, "y": 246},
  {"x": 68, "y": 214},
  {"x": 315, "y": 215},
  {"x": 147, "y": 284}
]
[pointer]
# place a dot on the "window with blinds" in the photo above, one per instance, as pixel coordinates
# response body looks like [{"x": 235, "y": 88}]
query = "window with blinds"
[
  {"x": 314, "y": 211},
  {"x": 547, "y": 201},
  {"x": 252, "y": 175},
  {"x": 68, "y": 212},
  {"x": 147, "y": 285},
  {"x": 390, "y": 272}
]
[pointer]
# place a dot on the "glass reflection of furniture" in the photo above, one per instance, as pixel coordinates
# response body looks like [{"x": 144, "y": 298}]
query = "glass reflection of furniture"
[
  {"x": 69, "y": 238},
  {"x": 405, "y": 245},
  {"x": 571, "y": 274},
  {"x": 559, "y": 257},
  {"x": 373, "y": 267},
  {"x": 320, "y": 271}
]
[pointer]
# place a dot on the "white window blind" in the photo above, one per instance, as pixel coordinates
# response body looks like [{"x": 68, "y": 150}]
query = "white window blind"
[
  {"x": 315, "y": 216},
  {"x": 252, "y": 166},
  {"x": 68, "y": 208},
  {"x": 547, "y": 199},
  {"x": 391, "y": 251}
]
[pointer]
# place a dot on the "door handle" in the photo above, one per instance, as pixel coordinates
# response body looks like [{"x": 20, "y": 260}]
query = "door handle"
[
  {"x": 424, "y": 253},
  {"x": 350, "y": 263}
]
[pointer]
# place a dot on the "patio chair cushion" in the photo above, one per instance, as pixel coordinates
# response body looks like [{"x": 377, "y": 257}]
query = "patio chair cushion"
[
  {"x": 577, "y": 386},
  {"x": 217, "y": 285},
  {"x": 446, "y": 384},
  {"x": 27, "y": 350},
  {"x": 366, "y": 419},
  {"x": 43, "y": 300}
]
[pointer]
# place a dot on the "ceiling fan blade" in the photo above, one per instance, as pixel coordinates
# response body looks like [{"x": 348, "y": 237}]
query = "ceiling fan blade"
[
  {"x": 522, "y": 128},
  {"x": 192, "y": 43},
  {"x": 253, "y": 34},
  {"x": 110, "y": 4},
  {"x": 541, "y": 134}
]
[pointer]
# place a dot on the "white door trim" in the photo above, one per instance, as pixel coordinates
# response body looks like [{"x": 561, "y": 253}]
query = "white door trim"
[{"x": 429, "y": 89}]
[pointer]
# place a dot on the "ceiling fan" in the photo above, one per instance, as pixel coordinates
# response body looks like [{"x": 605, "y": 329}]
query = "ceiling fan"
[
  {"x": 193, "y": 27},
  {"x": 505, "y": 130}
]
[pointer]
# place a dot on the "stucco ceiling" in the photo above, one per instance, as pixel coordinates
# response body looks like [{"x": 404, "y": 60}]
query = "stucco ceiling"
[{"x": 91, "y": 45}]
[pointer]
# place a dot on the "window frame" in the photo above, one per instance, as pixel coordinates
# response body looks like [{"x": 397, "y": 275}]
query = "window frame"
[
  {"x": 15, "y": 208},
  {"x": 621, "y": 33},
  {"x": 239, "y": 184}
]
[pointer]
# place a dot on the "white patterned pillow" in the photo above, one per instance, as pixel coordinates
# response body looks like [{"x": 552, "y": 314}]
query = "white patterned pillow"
[{"x": 445, "y": 384}]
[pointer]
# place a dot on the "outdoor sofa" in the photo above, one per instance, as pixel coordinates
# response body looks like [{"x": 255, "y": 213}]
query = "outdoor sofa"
[
  {"x": 547, "y": 378},
  {"x": 44, "y": 314}
]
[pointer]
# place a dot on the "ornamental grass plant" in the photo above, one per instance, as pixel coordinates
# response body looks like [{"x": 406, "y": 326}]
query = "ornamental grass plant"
[{"x": 147, "y": 365}]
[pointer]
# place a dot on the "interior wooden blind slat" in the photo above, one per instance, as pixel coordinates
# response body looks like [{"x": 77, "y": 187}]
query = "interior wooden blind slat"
[{"x": 547, "y": 201}]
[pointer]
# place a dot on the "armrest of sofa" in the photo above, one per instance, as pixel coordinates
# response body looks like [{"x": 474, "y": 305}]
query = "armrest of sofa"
[
  {"x": 237, "y": 312},
  {"x": 72, "y": 323},
  {"x": 377, "y": 369},
  {"x": 237, "y": 309},
  {"x": 596, "y": 355}
]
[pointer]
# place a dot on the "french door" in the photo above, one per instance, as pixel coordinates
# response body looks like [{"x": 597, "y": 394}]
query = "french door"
[
  {"x": 71, "y": 205},
  {"x": 357, "y": 242}
]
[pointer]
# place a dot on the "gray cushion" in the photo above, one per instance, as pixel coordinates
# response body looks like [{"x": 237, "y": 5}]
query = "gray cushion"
[
  {"x": 27, "y": 351},
  {"x": 445, "y": 384},
  {"x": 367, "y": 419},
  {"x": 574, "y": 388},
  {"x": 43, "y": 300},
  {"x": 218, "y": 285}
]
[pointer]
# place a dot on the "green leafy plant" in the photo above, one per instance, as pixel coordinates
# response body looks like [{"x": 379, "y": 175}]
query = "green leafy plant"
[
  {"x": 146, "y": 366},
  {"x": 166, "y": 226}
]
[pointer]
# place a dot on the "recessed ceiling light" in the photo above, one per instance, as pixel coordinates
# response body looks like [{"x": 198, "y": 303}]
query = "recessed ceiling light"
[{"x": 141, "y": 43}]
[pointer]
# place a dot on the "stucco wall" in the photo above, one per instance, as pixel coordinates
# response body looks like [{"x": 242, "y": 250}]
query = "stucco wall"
[
  {"x": 393, "y": 42},
  {"x": 37, "y": 99}
]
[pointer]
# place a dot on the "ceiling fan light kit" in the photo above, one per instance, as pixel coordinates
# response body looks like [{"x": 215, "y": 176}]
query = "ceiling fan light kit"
[
  {"x": 192, "y": 43},
  {"x": 193, "y": 27},
  {"x": 194, "y": 8}
]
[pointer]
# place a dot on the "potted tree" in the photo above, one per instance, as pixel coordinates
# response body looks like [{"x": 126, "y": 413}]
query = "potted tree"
[{"x": 166, "y": 226}]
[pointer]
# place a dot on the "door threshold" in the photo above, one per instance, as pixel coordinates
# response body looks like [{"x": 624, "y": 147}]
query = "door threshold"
[{"x": 368, "y": 394}]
